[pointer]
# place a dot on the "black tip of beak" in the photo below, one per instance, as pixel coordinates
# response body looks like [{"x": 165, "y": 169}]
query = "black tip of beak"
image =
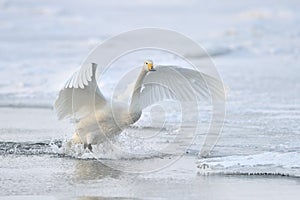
[{"x": 152, "y": 70}]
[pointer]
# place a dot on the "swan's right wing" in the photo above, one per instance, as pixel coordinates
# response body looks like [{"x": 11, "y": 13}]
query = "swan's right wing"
[
  {"x": 170, "y": 82},
  {"x": 80, "y": 95}
]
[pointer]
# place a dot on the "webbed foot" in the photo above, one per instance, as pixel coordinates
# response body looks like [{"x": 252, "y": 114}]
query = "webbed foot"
[{"x": 89, "y": 146}]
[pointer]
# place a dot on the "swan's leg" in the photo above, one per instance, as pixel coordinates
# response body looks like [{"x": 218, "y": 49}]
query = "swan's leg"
[{"x": 89, "y": 146}]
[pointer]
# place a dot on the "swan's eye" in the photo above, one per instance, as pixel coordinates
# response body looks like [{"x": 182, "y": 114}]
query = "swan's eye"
[{"x": 146, "y": 63}]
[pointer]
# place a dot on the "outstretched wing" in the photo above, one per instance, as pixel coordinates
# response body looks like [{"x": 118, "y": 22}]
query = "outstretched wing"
[
  {"x": 80, "y": 95},
  {"x": 170, "y": 82}
]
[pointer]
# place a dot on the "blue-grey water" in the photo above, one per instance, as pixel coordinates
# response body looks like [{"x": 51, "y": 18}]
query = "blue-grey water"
[{"x": 256, "y": 48}]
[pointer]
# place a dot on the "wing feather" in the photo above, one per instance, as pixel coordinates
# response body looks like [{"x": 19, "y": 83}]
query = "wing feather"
[
  {"x": 170, "y": 82},
  {"x": 80, "y": 95}
]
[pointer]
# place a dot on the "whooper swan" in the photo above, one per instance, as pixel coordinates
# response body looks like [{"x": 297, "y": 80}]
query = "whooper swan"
[{"x": 82, "y": 98}]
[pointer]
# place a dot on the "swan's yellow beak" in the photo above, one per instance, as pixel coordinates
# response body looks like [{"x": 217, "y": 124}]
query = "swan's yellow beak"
[{"x": 150, "y": 67}]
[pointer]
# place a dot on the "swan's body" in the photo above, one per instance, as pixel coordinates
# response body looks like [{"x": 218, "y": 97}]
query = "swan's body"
[
  {"x": 101, "y": 125},
  {"x": 82, "y": 98}
]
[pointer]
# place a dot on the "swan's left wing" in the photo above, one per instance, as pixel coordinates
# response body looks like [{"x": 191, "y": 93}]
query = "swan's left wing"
[
  {"x": 170, "y": 82},
  {"x": 80, "y": 95}
]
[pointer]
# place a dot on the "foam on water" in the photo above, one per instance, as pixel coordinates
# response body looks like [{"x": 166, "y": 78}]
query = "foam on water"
[{"x": 263, "y": 164}]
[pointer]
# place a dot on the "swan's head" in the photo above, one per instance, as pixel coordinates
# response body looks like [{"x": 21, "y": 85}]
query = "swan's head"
[{"x": 148, "y": 65}]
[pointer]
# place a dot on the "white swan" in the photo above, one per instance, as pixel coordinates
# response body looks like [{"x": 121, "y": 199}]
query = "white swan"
[{"x": 82, "y": 98}]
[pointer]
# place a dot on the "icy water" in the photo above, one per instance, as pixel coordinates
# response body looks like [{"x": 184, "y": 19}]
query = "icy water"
[
  {"x": 32, "y": 167},
  {"x": 256, "y": 48}
]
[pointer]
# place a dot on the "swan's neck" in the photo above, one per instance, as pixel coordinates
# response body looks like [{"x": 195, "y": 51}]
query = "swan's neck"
[{"x": 135, "y": 109}]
